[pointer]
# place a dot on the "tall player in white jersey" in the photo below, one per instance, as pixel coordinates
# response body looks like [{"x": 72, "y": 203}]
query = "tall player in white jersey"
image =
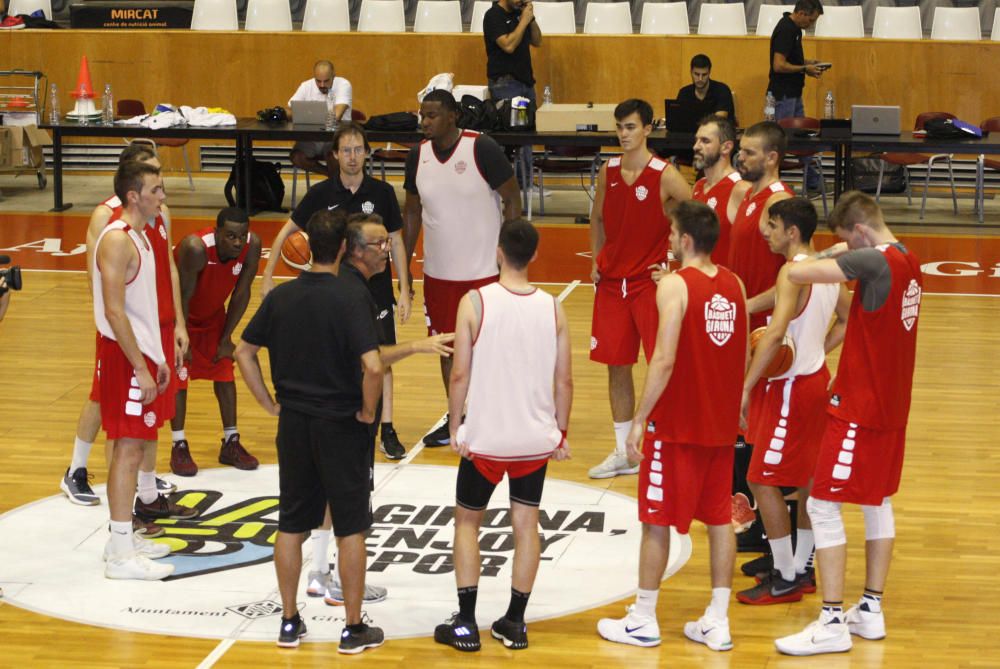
[
  {"x": 132, "y": 366},
  {"x": 512, "y": 363},
  {"x": 787, "y": 424}
]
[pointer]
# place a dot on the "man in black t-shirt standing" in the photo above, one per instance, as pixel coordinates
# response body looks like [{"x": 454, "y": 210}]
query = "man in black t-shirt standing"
[
  {"x": 789, "y": 66},
  {"x": 349, "y": 188},
  {"x": 706, "y": 96},
  {"x": 510, "y": 30},
  {"x": 325, "y": 403}
]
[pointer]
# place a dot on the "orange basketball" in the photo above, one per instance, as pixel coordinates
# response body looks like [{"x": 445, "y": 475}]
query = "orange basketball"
[
  {"x": 783, "y": 357},
  {"x": 295, "y": 251}
]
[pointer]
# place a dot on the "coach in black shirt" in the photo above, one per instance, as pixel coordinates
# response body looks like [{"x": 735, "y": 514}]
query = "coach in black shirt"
[
  {"x": 510, "y": 30},
  {"x": 327, "y": 376},
  {"x": 706, "y": 96}
]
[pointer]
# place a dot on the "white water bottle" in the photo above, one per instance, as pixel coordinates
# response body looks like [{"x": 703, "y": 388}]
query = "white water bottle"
[
  {"x": 108, "y": 113},
  {"x": 547, "y": 95},
  {"x": 769, "y": 105},
  {"x": 54, "y": 116},
  {"x": 829, "y": 106},
  {"x": 331, "y": 112}
]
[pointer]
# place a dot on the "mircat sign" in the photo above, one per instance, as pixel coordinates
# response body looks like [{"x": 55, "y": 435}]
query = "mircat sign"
[{"x": 124, "y": 15}]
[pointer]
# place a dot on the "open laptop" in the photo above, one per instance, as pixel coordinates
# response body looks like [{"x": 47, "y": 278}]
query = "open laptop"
[
  {"x": 309, "y": 112},
  {"x": 679, "y": 118},
  {"x": 867, "y": 120}
]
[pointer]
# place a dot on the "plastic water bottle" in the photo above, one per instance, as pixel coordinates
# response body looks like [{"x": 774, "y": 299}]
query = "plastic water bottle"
[
  {"x": 108, "y": 113},
  {"x": 547, "y": 95},
  {"x": 331, "y": 112},
  {"x": 54, "y": 116},
  {"x": 769, "y": 104},
  {"x": 829, "y": 106}
]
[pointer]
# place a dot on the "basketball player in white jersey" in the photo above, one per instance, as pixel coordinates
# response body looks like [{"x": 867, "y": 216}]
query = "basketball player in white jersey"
[
  {"x": 787, "y": 423},
  {"x": 75, "y": 482},
  {"x": 131, "y": 362},
  {"x": 512, "y": 363}
]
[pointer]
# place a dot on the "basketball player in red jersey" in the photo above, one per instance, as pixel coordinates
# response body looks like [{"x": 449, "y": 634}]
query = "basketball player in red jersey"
[
  {"x": 722, "y": 188},
  {"x": 792, "y": 415},
  {"x": 512, "y": 362},
  {"x": 861, "y": 456},
  {"x": 175, "y": 340},
  {"x": 215, "y": 265},
  {"x": 629, "y": 233},
  {"x": 131, "y": 362},
  {"x": 684, "y": 427}
]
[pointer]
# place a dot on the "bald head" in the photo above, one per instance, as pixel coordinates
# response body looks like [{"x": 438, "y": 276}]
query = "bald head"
[{"x": 323, "y": 73}]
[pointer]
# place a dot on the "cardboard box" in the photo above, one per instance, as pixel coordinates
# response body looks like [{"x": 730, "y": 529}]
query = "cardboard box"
[
  {"x": 25, "y": 147},
  {"x": 565, "y": 118},
  {"x": 5, "y": 156}
]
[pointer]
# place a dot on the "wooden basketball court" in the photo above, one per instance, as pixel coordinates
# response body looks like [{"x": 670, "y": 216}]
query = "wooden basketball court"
[{"x": 943, "y": 596}]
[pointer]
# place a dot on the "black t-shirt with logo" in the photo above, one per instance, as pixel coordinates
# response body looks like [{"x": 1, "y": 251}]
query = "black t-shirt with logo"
[
  {"x": 315, "y": 329},
  {"x": 372, "y": 197},
  {"x": 718, "y": 98},
  {"x": 499, "y": 63},
  {"x": 787, "y": 40}
]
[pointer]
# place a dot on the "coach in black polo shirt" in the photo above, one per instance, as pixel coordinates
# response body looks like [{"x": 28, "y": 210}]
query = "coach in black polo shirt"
[
  {"x": 706, "y": 96},
  {"x": 351, "y": 190},
  {"x": 327, "y": 375},
  {"x": 510, "y": 30}
]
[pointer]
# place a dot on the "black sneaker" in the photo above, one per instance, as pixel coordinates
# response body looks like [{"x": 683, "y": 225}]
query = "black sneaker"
[
  {"x": 772, "y": 589},
  {"x": 439, "y": 437},
  {"x": 162, "y": 507},
  {"x": 390, "y": 445},
  {"x": 291, "y": 631},
  {"x": 758, "y": 567},
  {"x": 77, "y": 488},
  {"x": 355, "y": 642},
  {"x": 458, "y": 634},
  {"x": 513, "y": 635}
]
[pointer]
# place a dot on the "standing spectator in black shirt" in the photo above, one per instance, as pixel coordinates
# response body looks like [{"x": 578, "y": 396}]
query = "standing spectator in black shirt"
[
  {"x": 789, "y": 66},
  {"x": 510, "y": 30},
  {"x": 704, "y": 95},
  {"x": 325, "y": 402}
]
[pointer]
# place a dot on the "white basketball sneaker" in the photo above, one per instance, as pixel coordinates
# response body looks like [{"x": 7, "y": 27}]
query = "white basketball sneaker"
[
  {"x": 144, "y": 547},
  {"x": 633, "y": 629},
  {"x": 615, "y": 464},
  {"x": 825, "y": 635},
  {"x": 136, "y": 567},
  {"x": 318, "y": 582},
  {"x": 865, "y": 624},
  {"x": 710, "y": 631}
]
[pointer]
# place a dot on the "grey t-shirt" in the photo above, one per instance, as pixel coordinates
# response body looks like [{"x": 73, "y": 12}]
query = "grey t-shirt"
[{"x": 871, "y": 269}]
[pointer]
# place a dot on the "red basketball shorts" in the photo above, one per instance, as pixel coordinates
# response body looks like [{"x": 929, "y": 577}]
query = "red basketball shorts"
[
  {"x": 441, "y": 298},
  {"x": 204, "y": 337},
  {"x": 858, "y": 465},
  {"x": 122, "y": 412},
  {"x": 788, "y": 429},
  {"x": 95, "y": 382},
  {"x": 625, "y": 315},
  {"x": 167, "y": 398},
  {"x": 679, "y": 483}
]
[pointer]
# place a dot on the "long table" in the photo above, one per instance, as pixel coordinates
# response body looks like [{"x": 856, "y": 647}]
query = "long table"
[{"x": 247, "y": 131}]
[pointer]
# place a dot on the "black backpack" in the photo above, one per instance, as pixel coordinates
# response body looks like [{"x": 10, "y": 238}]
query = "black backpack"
[
  {"x": 267, "y": 190},
  {"x": 865, "y": 174},
  {"x": 402, "y": 121},
  {"x": 476, "y": 114}
]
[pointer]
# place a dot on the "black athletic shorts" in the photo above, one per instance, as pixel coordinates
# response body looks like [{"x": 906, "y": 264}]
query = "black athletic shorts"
[
  {"x": 473, "y": 490},
  {"x": 385, "y": 325},
  {"x": 322, "y": 462}
]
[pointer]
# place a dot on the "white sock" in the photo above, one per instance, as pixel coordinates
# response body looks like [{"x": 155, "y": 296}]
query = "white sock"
[
  {"x": 147, "y": 487},
  {"x": 781, "y": 550},
  {"x": 645, "y": 602},
  {"x": 804, "y": 544},
  {"x": 719, "y": 606},
  {"x": 81, "y": 453},
  {"x": 228, "y": 432},
  {"x": 870, "y": 602},
  {"x": 320, "y": 548},
  {"x": 621, "y": 434},
  {"x": 121, "y": 539},
  {"x": 177, "y": 435}
]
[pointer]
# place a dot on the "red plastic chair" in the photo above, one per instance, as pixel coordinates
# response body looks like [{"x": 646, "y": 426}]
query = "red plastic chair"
[
  {"x": 129, "y": 108},
  {"x": 803, "y": 157},
  {"x": 908, "y": 160}
]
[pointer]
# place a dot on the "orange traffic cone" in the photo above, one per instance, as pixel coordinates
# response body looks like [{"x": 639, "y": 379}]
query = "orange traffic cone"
[{"x": 84, "y": 89}]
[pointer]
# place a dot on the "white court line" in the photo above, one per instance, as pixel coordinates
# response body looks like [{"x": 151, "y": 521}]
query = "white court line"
[
  {"x": 568, "y": 289},
  {"x": 217, "y": 653}
]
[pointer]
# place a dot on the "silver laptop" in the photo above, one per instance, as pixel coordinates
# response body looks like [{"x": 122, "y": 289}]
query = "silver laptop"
[
  {"x": 309, "y": 112},
  {"x": 867, "y": 120}
]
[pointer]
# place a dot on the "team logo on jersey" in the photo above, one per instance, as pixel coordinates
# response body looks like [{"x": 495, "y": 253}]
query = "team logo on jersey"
[
  {"x": 149, "y": 418},
  {"x": 593, "y": 343},
  {"x": 720, "y": 319},
  {"x": 641, "y": 193},
  {"x": 461, "y": 166},
  {"x": 237, "y": 268},
  {"x": 182, "y": 373},
  {"x": 368, "y": 207},
  {"x": 162, "y": 230},
  {"x": 911, "y": 305},
  {"x": 712, "y": 202},
  {"x": 751, "y": 208}
]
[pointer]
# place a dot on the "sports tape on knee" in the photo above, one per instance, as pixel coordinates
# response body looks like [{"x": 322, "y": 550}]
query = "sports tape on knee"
[
  {"x": 879, "y": 521},
  {"x": 828, "y": 524}
]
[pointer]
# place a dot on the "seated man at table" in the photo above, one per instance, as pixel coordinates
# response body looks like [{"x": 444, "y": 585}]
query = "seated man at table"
[
  {"x": 704, "y": 95},
  {"x": 322, "y": 87}
]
